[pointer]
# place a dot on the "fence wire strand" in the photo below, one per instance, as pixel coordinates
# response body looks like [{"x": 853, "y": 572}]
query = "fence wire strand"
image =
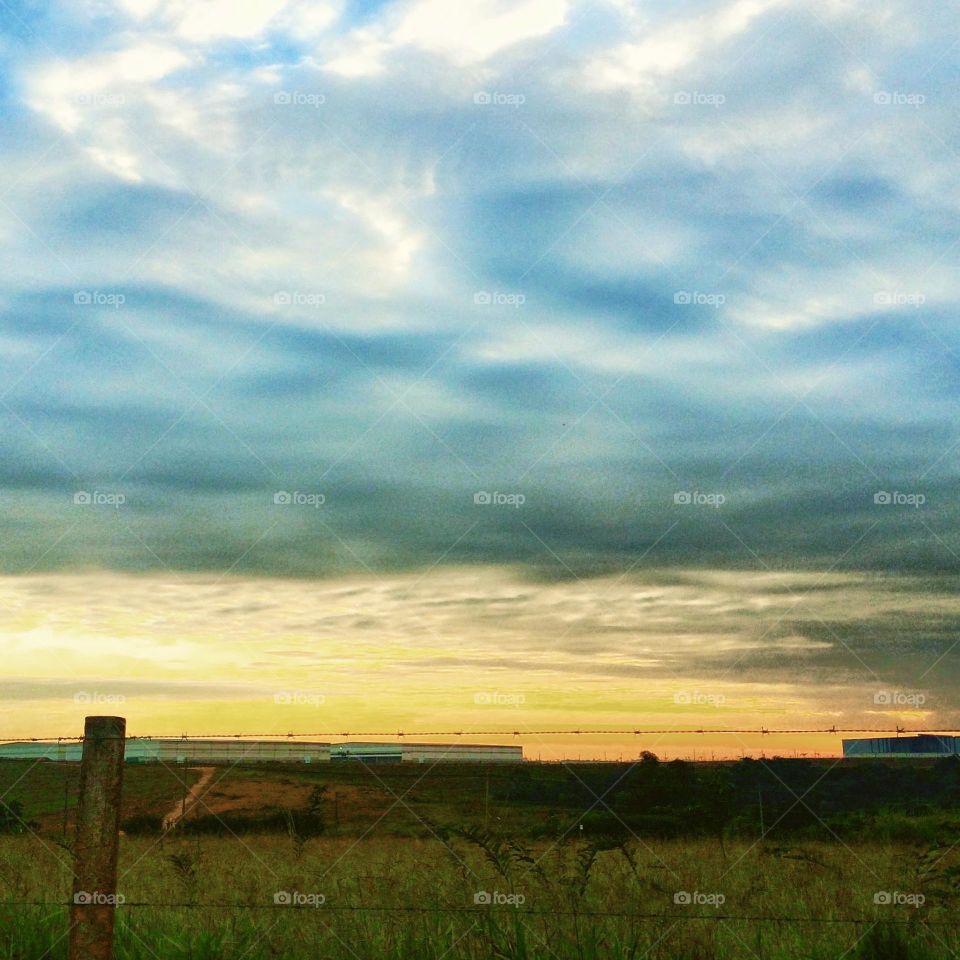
[
  {"x": 485, "y": 911},
  {"x": 593, "y": 731}
]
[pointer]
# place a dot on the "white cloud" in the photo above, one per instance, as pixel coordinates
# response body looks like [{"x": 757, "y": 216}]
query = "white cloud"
[
  {"x": 361, "y": 55},
  {"x": 139, "y": 9},
  {"x": 206, "y": 21},
  {"x": 201, "y": 20},
  {"x": 122, "y": 164},
  {"x": 666, "y": 50},
  {"x": 307, "y": 19},
  {"x": 478, "y": 30},
  {"x": 793, "y": 298},
  {"x": 380, "y": 217},
  {"x": 67, "y": 92}
]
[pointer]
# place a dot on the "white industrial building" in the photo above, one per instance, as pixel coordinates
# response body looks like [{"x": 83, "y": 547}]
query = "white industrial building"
[
  {"x": 404, "y": 752},
  {"x": 188, "y": 750},
  {"x": 41, "y": 750}
]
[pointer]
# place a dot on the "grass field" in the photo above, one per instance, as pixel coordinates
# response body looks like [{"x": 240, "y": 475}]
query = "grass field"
[
  {"x": 416, "y": 899},
  {"x": 400, "y": 862}
]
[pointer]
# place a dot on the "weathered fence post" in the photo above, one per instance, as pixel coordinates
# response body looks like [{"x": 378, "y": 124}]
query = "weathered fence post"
[{"x": 97, "y": 846}]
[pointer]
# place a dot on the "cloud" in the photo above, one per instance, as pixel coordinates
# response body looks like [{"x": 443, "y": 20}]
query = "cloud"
[
  {"x": 377, "y": 258},
  {"x": 753, "y": 645},
  {"x": 61, "y": 91},
  {"x": 664, "y": 50},
  {"x": 216, "y": 21},
  {"x": 484, "y": 29},
  {"x": 219, "y": 18},
  {"x": 484, "y": 26}
]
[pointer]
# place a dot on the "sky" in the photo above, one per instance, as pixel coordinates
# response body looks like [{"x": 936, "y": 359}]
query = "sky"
[{"x": 596, "y": 357}]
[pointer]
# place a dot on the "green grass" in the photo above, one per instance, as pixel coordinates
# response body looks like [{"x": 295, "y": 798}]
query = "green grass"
[
  {"x": 566, "y": 889},
  {"x": 45, "y": 788},
  {"x": 400, "y": 852}
]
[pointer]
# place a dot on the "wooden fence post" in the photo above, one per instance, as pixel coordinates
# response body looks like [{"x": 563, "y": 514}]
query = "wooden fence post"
[{"x": 98, "y": 840}]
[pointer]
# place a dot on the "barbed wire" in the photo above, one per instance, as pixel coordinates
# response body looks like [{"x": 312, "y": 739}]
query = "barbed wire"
[
  {"x": 591, "y": 731},
  {"x": 485, "y": 910}
]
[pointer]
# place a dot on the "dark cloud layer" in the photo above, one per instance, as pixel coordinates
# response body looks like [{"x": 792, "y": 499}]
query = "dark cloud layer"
[{"x": 686, "y": 331}]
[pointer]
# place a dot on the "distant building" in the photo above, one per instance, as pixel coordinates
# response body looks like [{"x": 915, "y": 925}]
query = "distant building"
[
  {"x": 425, "y": 752},
  {"x": 921, "y": 745},
  {"x": 41, "y": 750},
  {"x": 271, "y": 751}
]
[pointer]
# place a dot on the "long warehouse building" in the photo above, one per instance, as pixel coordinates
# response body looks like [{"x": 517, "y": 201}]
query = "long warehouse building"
[
  {"x": 187, "y": 750},
  {"x": 922, "y": 745}
]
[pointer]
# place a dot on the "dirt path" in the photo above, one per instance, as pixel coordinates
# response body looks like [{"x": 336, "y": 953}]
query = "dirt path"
[{"x": 195, "y": 793}]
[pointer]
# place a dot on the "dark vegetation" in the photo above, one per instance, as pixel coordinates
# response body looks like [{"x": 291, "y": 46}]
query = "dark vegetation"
[
  {"x": 12, "y": 818},
  {"x": 819, "y": 800},
  {"x": 897, "y": 800}
]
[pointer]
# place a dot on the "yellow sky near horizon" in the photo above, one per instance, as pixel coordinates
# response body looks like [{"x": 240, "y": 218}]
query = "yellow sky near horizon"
[{"x": 476, "y": 649}]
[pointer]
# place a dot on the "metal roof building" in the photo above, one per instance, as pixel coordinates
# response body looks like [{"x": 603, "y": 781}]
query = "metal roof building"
[
  {"x": 426, "y": 752},
  {"x": 181, "y": 750},
  {"x": 41, "y": 750},
  {"x": 921, "y": 745},
  {"x": 186, "y": 750}
]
